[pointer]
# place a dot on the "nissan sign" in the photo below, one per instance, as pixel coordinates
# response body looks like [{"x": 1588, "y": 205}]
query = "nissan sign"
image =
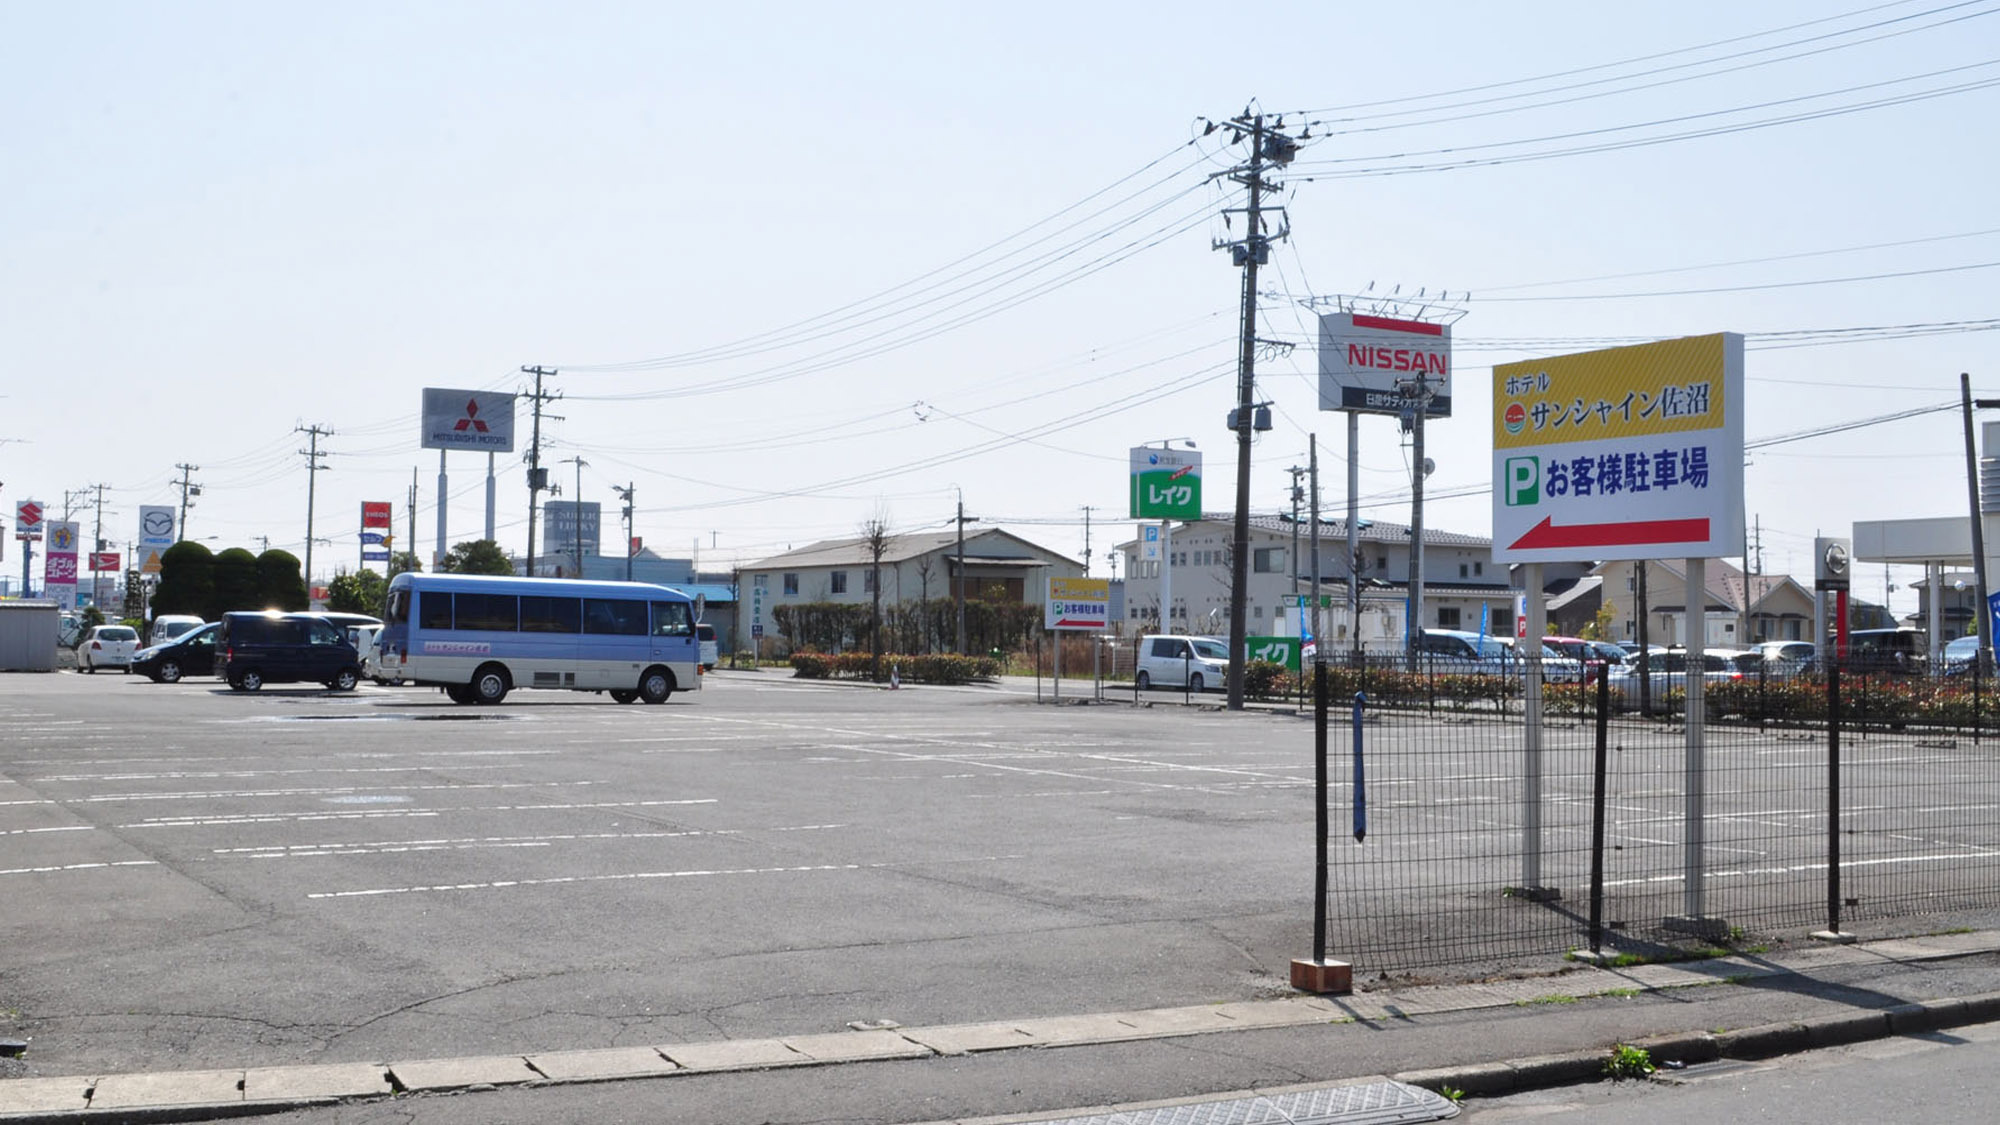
[{"x": 1377, "y": 364}]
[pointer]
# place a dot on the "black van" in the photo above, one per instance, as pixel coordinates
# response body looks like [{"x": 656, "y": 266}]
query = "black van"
[{"x": 254, "y": 649}]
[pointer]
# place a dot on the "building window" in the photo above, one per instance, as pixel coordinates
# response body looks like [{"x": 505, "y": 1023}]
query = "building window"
[
  {"x": 1257, "y": 612},
  {"x": 838, "y": 581},
  {"x": 868, "y": 581},
  {"x": 1478, "y": 568},
  {"x": 1464, "y": 571},
  {"x": 792, "y": 585},
  {"x": 1268, "y": 560},
  {"x": 1382, "y": 563},
  {"x": 1447, "y": 617},
  {"x": 1503, "y": 621}
]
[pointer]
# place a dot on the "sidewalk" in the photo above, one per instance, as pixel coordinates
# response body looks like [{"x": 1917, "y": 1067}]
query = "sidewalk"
[{"x": 1557, "y": 1030}]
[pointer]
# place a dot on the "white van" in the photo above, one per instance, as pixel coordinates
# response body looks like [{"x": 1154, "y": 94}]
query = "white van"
[
  {"x": 1195, "y": 663},
  {"x": 167, "y": 626}
]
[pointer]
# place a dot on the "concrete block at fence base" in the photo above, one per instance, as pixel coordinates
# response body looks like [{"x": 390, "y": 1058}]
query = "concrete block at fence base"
[
  {"x": 1706, "y": 929},
  {"x": 1322, "y": 976},
  {"x": 1833, "y": 937}
]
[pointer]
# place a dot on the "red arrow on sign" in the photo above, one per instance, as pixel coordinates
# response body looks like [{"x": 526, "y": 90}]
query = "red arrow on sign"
[{"x": 1546, "y": 534}]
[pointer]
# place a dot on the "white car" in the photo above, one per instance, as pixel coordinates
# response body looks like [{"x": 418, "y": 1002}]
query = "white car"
[
  {"x": 1666, "y": 670},
  {"x": 108, "y": 646},
  {"x": 1195, "y": 663}
]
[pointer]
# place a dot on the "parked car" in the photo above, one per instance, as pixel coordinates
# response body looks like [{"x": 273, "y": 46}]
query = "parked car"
[
  {"x": 69, "y": 630},
  {"x": 167, "y": 626},
  {"x": 190, "y": 654},
  {"x": 1557, "y": 666},
  {"x": 261, "y": 648},
  {"x": 107, "y": 646},
  {"x": 1666, "y": 670},
  {"x": 705, "y": 633},
  {"x": 1887, "y": 651},
  {"x": 1961, "y": 654},
  {"x": 1454, "y": 652},
  {"x": 1595, "y": 656},
  {"x": 366, "y": 640},
  {"x": 1783, "y": 660},
  {"x": 1170, "y": 660}
]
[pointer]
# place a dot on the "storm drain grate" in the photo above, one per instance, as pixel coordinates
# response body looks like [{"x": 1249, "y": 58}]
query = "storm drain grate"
[{"x": 1373, "y": 1103}]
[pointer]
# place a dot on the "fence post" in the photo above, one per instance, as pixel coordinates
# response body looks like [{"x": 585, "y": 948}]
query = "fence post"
[
  {"x": 1597, "y": 812},
  {"x": 1320, "y": 974},
  {"x": 1833, "y": 901}
]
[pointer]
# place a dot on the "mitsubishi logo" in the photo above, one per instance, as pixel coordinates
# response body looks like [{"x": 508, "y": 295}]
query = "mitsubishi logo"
[{"x": 471, "y": 418}]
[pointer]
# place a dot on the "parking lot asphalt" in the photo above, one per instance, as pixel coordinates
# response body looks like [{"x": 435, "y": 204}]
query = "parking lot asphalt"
[
  {"x": 204, "y": 877},
  {"x": 206, "y": 880}
]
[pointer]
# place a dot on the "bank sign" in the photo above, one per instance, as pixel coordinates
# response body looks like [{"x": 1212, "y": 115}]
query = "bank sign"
[
  {"x": 1166, "y": 484},
  {"x": 1628, "y": 453}
]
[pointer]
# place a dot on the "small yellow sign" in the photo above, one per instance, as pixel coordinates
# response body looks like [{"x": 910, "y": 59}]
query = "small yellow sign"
[
  {"x": 1672, "y": 386},
  {"x": 152, "y": 564}
]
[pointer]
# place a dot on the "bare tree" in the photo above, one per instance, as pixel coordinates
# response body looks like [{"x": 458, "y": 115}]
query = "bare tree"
[
  {"x": 875, "y": 539},
  {"x": 924, "y": 566}
]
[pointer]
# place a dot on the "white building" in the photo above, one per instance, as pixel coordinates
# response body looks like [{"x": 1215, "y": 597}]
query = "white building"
[{"x": 1461, "y": 581}]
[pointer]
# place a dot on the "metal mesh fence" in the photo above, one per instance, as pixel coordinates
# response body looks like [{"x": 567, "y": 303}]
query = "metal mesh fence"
[{"x": 1479, "y": 849}]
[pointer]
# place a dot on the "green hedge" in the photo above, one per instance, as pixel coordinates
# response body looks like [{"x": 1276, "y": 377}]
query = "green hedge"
[{"x": 933, "y": 668}]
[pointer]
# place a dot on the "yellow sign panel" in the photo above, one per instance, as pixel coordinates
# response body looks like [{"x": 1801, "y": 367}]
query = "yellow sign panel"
[
  {"x": 1673, "y": 386},
  {"x": 1080, "y": 589},
  {"x": 152, "y": 565}
]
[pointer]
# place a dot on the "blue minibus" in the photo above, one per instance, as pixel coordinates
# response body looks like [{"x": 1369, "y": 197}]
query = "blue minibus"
[{"x": 480, "y": 636}]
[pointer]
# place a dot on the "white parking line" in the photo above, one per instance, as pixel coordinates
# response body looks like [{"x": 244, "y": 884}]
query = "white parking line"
[
  {"x": 298, "y": 851},
  {"x": 389, "y": 814},
  {"x": 80, "y": 867},
  {"x": 561, "y": 880}
]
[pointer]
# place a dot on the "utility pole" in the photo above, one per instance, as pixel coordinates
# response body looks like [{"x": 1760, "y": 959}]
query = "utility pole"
[
  {"x": 188, "y": 488},
  {"x": 1253, "y": 250},
  {"x": 538, "y": 477},
  {"x": 576, "y": 505},
  {"x": 1086, "y": 540},
  {"x": 625, "y": 494},
  {"x": 1298, "y": 494},
  {"x": 410, "y": 510},
  {"x": 960, "y": 589},
  {"x": 97, "y": 537},
  {"x": 313, "y": 455},
  {"x": 1417, "y": 398}
]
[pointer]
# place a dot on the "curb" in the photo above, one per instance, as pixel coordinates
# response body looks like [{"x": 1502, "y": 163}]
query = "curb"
[
  {"x": 1763, "y": 1042},
  {"x": 211, "y": 1094}
]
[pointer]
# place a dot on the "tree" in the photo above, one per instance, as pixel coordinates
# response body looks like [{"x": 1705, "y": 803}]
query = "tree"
[
  {"x": 235, "y": 584},
  {"x": 281, "y": 582},
  {"x": 187, "y": 580},
  {"x": 404, "y": 561},
  {"x": 875, "y": 539},
  {"x": 363, "y": 591},
  {"x": 479, "y": 556}
]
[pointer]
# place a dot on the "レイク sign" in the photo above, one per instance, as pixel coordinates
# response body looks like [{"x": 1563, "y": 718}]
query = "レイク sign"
[
  {"x": 1166, "y": 484},
  {"x": 1628, "y": 453}
]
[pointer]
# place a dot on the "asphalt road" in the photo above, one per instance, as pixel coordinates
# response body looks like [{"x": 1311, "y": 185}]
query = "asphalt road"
[{"x": 197, "y": 877}]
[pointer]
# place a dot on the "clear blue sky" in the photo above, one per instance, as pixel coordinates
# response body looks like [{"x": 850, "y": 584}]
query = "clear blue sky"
[{"x": 228, "y": 220}]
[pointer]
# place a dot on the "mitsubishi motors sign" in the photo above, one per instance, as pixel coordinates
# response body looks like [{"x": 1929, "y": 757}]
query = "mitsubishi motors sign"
[
  {"x": 1374, "y": 364},
  {"x": 481, "y": 420}
]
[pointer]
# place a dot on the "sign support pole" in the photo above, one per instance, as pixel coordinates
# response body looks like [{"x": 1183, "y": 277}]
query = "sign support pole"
[
  {"x": 1530, "y": 648},
  {"x": 444, "y": 492},
  {"x": 493, "y": 498},
  {"x": 1695, "y": 613},
  {"x": 1353, "y": 539}
]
